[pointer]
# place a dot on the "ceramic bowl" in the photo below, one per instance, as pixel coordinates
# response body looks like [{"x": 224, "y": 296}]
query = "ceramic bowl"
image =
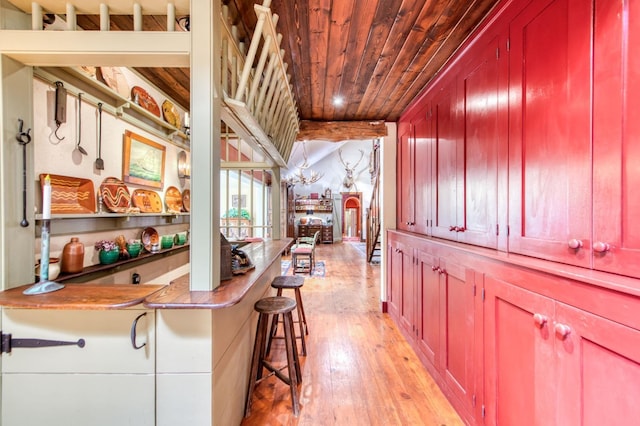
[{"x": 108, "y": 257}]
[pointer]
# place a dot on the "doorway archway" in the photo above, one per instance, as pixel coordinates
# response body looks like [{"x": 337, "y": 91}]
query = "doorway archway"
[{"x": 351, "y": 216}]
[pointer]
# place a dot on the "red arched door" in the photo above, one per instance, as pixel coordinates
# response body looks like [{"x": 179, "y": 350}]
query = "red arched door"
[{"x": 351, "y": 216}]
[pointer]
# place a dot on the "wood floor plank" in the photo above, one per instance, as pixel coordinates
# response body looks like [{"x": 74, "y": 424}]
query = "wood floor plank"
[{"x": 359, "y": 369}]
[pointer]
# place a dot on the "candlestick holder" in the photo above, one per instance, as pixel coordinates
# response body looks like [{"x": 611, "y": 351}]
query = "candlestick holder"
[{"x": 44, "y": 285}]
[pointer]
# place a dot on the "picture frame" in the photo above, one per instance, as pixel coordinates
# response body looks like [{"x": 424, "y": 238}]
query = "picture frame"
[{"x": 142, "y": 161}]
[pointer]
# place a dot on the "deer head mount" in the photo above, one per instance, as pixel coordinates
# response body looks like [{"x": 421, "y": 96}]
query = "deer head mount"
[{"x": 350, "y": 179}]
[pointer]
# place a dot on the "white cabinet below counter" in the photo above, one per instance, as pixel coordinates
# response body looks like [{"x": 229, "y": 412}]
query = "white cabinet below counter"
[{"x": 107, "y": 381}]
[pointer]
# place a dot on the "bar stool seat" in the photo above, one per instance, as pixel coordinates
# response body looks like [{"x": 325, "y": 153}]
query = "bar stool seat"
[
  {"x": 286, "y": 282},
  {"x": 267, "y": 307}
]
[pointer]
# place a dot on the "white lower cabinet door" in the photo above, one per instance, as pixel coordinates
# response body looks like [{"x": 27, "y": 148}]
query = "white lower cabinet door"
[
  {"x": 78, "y": 399},
  {"x": 105, "y": 376}
]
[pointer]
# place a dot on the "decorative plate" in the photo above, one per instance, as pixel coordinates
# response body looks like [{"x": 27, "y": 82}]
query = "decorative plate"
[
  {"x": 186, "y": 200},
  {"x": 173, "y": 199},
  {"x": 170, "y": 114},
  {"x": 115, "y": 195},
  {"x": 90, "y": 71},
  {"x": 150, "y": 238},
  {"x": 147, "y": 201},
  {"x": 71, "y": 195},
  {"x": 113, "y": 77},
  {"x": 144, "y": 99}
]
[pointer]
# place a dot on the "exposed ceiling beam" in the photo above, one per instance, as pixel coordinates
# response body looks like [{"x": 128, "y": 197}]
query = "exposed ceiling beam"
[{"x": 336, "y": 131}]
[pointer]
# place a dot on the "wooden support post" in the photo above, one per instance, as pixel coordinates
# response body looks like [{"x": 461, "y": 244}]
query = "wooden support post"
[
  {"x": 137, "y": 17},
  {"x": 36, "y": 17},
  {"x": 104, "y": 17},
  {"x": 71, "y": 17}
]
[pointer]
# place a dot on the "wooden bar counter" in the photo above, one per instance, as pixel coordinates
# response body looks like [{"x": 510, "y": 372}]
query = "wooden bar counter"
[
  {"x": 178, "y": 296},
  {"x": 151, "y": 354},
  {"x": 174, "y": 296}
]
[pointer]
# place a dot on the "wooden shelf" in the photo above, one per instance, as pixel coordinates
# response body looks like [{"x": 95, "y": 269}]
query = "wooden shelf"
[
  {"x": 94, "y": 270},
  {"x": 76, "y": 81},
  {"x": 96, "y": 222}
]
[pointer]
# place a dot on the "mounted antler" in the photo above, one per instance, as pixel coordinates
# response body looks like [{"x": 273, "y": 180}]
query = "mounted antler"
[{"x": 349, "y": 179}]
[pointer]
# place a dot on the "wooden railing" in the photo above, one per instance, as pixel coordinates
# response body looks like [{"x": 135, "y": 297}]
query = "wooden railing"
[
  {"x": 259, "y": 97},
  {"x": 373, "y": 213}
]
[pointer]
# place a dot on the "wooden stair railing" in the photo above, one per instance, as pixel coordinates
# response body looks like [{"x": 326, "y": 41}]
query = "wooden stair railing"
[{"x": 373, "y": 213}]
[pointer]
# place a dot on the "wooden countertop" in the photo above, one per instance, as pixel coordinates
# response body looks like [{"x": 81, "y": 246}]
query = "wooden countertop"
[
  {"x": 178, "y": 296},
  {"x": 174, "y": 296},
  {"x": 80, "y": 296}
]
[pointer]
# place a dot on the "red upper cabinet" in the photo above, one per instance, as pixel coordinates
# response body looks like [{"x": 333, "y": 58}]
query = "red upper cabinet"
[
  {"x": 482, "y": 85},
  {"x": 423, "y": 145},
  {"x": 616, "y": 147},
  {"x": 550, "y": 131},
  {"x": 406, "y": 176},
  {"x": 448, "y": 159}
]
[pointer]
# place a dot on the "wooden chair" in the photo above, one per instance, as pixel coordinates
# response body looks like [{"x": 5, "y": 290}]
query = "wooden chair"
[{"x": 304, "y": 249}]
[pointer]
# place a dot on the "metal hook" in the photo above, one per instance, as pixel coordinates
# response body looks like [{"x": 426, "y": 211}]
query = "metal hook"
[
  {"x": 55, "y": 133},
  {"x": 23, "y": 137}
]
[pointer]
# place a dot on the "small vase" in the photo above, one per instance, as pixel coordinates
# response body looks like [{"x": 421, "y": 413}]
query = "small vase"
[
  {"x": 107, "y": 257},
  {"x": 73, "y": 256}
]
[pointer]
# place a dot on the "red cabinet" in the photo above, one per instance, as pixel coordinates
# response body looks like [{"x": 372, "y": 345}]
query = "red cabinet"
[
  {"x": 447, "y": 162},
  {"x": 550, "y": 363},
  {"x": 406, "y": 176},
  {"x": 436, "y": 312},
  {"x": 423, "y": 146},
  {"x": 549, "y": 130},
  {"x": 414, "y": 171},
  {"x": 616, "y": 132},
  {"x": 482, "y": 85}
]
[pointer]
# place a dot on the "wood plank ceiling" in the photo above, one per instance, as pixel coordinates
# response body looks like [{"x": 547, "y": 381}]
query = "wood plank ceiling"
[{"x": 375, "y": 54}]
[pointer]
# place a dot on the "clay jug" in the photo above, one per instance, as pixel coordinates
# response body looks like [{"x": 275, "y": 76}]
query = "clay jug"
[{"x": 73, "y": 256}]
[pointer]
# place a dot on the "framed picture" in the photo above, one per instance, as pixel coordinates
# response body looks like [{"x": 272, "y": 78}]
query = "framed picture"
[{"x": 143, "y": 161}]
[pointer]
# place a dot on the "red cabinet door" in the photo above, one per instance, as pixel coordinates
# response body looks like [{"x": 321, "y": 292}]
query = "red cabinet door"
[
  {"x": 483, "y": 132},
  {"x": 408, "y": 301},
  {"x": 457, "y": 340},
  {"x": 428, "y": 283},
  {"x": 406, "y": 181},
  {"x": 394, "y": 278},
  {"x": 598, "y": 370},
  {"x": 422, "y": 150},
  {"x": 550, "y": 130},
  {"x": 519, "y": 360},
  {"x": 616, "y": 132},
  {"x": 447, "y": 160}
]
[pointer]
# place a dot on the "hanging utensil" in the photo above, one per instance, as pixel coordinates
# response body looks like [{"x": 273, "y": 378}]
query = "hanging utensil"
[
  {"x": 23, "y": 139},
  {"x": 78, "y": 147},
  {"x": 99, "y": 161},
  {"x": 60, "y": 112}
]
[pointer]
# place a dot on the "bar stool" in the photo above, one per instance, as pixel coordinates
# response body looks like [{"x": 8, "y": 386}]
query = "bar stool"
[
  {"x": 267, "y": 307},
  {"x": 284, "y": 282}
]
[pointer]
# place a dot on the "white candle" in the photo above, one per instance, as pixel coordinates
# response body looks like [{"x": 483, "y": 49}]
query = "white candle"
[
  {"x": 186, "y": 119},
  {"x": 46, "y": 198}
]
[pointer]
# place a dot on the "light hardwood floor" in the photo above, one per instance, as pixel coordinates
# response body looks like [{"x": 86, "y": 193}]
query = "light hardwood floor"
[{"x": 359, "y": 369}]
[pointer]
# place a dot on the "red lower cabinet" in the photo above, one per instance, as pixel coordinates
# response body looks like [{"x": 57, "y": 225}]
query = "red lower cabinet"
[
  {"x": 548, "y": 363},
  {"x": 436, "y": 314},
  {"x": 518, "y": 350},
  {"x": 598, "y": 369}
]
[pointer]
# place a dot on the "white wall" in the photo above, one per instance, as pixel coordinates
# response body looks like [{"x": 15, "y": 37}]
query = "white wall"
[
  {"x": 334, "y": 173},
  {"x": 60, "y": 157}
]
